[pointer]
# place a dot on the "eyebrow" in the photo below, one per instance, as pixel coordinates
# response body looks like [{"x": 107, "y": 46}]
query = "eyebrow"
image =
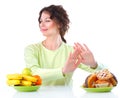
[{"x": 47, "y": 18}]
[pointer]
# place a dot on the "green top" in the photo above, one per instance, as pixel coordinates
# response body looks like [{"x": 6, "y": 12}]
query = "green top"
[{"x": 48, "y": 63}]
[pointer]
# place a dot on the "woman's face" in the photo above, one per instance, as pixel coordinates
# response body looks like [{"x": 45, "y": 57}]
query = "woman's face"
[{"x": 48, "y": 26}]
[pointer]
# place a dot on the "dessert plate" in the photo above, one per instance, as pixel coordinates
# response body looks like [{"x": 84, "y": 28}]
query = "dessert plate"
[{"x": 101, "y": 89}]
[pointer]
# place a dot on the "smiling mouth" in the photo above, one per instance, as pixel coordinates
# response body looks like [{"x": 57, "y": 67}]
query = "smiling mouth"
[{"x": 43, "y": 30}]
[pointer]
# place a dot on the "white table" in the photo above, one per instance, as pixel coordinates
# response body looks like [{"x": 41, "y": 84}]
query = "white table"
[{"x": 57, "y": 92}]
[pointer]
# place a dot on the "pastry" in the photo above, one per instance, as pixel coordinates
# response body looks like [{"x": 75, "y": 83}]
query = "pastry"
[
  {"x": 102, "y": 78},
  {"x": 104, "y": 74},
  {"x": 90, "y": 81}
]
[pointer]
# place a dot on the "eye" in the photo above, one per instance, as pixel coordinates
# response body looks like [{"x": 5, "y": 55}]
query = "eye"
[{"x": 47, "y": 20}]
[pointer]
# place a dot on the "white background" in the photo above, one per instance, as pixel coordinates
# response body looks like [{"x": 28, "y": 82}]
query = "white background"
[{"x": 93, "y": 22}]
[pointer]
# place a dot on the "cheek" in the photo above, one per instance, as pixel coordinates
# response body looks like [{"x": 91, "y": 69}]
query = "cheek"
[
  {"x": 51, "y": 25},
  {"x": 54, "y": 28}
]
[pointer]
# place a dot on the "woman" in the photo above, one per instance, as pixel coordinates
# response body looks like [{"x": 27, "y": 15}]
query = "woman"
[{"x": 53, "y": 59}]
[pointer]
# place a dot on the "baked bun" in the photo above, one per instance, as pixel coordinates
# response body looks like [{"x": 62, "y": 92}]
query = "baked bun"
[
  {"x": 90, "y": 80},
  {"x": 113, "y": 80},
  {"x": 102, "y": 78},
  {"x": 102, "y": 83},
  {"x": 104, "y": 74}
]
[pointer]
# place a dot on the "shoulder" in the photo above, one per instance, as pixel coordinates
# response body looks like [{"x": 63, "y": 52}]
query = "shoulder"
[
  {"x": 34, "y": 46},
  {"x": 67, "y": 46}
]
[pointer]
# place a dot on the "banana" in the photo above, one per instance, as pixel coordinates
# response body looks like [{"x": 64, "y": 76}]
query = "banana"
[
  {"x": 26, "y": 83},
  {"x": 20, "y": 80},
  {"x": 15, "y": 76},
  {"x": 13, "y": 82},
  {"x": 29, "y": 78}
]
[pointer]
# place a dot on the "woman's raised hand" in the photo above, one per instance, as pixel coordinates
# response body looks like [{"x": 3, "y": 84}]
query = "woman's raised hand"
[
  {"x": 81, "y": 54},
  {"x": 87, "y": 57},
  {"x": 73, "y": 61}
]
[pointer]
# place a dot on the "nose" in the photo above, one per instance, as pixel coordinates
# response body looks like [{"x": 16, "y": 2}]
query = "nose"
[{"x": 42, "y": 24}]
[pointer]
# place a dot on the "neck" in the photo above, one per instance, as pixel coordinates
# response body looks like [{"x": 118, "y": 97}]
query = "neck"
[{"x": 52, "y": 43}]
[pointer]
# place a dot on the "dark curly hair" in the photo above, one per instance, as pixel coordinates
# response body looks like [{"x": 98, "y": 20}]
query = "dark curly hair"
[{"x": 58, "y": 14}]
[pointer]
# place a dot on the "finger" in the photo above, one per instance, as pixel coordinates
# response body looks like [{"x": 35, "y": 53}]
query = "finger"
[
  {"x": 79, "y": 59},
  {"x": 81, "y": 47},
  {"x": 86, "y": 47},
  {"x": 70, "y": 56},
  {"x": 75, "y": 54},
  {"x": 77, "y": 47},
  {"x": 77, "y": 51},
  {"x": 77, "y": 62}
]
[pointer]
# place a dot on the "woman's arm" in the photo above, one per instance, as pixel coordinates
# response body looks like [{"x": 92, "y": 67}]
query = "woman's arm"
[
  {"x": 32, "y": 62},
  {"x": 91, "y": 70},
  {"x": 88, "y": 61}
]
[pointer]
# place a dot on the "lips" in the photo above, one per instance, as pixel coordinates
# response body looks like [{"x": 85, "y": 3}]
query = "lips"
[{"x": 43, "y": 30}]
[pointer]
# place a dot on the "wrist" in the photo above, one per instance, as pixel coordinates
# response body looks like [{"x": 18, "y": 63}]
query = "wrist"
[
  {"x": 94, "y": 66},
  {"x": 63, "y": 72}
]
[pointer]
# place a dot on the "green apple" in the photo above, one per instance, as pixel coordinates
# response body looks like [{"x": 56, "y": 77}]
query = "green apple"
[{"x": 26, "y": 71}]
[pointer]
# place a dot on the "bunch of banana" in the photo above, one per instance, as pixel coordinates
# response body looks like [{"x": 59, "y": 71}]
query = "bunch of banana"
[
  {"x": 21, "y": 80},
  {"x": 14, "y": 79}
]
